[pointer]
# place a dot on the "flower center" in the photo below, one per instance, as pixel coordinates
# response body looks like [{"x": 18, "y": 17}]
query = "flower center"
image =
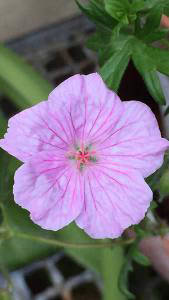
[{"x": 83, "y": 156}]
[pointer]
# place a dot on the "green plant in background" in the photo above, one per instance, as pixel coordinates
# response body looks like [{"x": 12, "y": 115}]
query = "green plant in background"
[{"x": 126, "y": 30}]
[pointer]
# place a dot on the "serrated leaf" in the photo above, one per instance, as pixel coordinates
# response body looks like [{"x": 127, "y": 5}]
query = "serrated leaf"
[
  {"x": 147, "y": 67},
  {"x": 114, "y": 68}
]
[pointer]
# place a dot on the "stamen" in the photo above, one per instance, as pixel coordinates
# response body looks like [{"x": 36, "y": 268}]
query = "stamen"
[{"x": 83, "y": 156}]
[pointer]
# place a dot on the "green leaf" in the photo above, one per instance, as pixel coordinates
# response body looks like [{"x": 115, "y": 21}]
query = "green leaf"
[
  {"x": 138, "y": 5},
  {"x": 147, "y": 67},
  {"x": 156, "y": 35},
  {"x": 123, "y": 279},
  {"x": 19, "y": 81},
  {"x": 149, "y": 4},
  {"x": 22, "y": 252},
  {"x": 166, "y": 7},
  {"x": 99, "y": 39},
  {"x": 151, "y": 30},
  {"x": 96, "y": 12},
  {"x": 153, "y": 205},
  {"x": 154, "y": 86},
  {"x": 153, "y": 19},
  {"x": 164, "y": 184},
  {"x": 94, "y": 41},
  {"x": 153, "y": 180},
  {"x": 140, "y": 258},
  {"x": 114, "y": 44},
  {"x": 114, "y": 68},
  {"x": 119, "y": 10},
  {"x": 3, "y": 124},
  {"x": 112, "y": 263},
  {"x": 160, "y": 57}
]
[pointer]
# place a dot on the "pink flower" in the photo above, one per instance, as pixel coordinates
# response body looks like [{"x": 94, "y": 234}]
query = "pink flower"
[{"x": 85, "y": 157}]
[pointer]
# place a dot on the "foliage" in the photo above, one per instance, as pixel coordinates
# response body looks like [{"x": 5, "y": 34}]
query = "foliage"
[{"x": 125, "y": 31}]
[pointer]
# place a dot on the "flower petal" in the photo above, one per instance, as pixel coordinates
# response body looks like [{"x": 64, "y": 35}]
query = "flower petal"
[
  {"x": 33, "y": 130},
  {"x": 135, "y": 141},
  {"x": 114, "y": 200},
  {"x": 88, "y": 105},
  {"x": 80, "y": 108},
  {"x": 49, "y": 189}
]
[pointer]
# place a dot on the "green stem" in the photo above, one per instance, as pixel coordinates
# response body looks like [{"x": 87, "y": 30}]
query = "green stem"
[
  {"x": 56, "y": 243},
  {"x": 112, "y": 263}
]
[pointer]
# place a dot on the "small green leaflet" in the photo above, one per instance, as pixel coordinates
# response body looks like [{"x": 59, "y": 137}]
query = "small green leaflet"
[
  {"x": 119, "y": 10},
  {"x": 113, "y": 70},
  {"x": 147, "y": 67},
  {"x": 96, "y": 12}
]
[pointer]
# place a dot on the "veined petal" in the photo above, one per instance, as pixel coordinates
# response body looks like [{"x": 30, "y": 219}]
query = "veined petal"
[
  {"x": 114, "y": 199},
  {"x": 80, "y": 109},
  {"x": 32, "y": 131},
  {"x": 88, "y": 105},
  {"x": 49, "y": 189},
  {"x": 135, "y": 141}
]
